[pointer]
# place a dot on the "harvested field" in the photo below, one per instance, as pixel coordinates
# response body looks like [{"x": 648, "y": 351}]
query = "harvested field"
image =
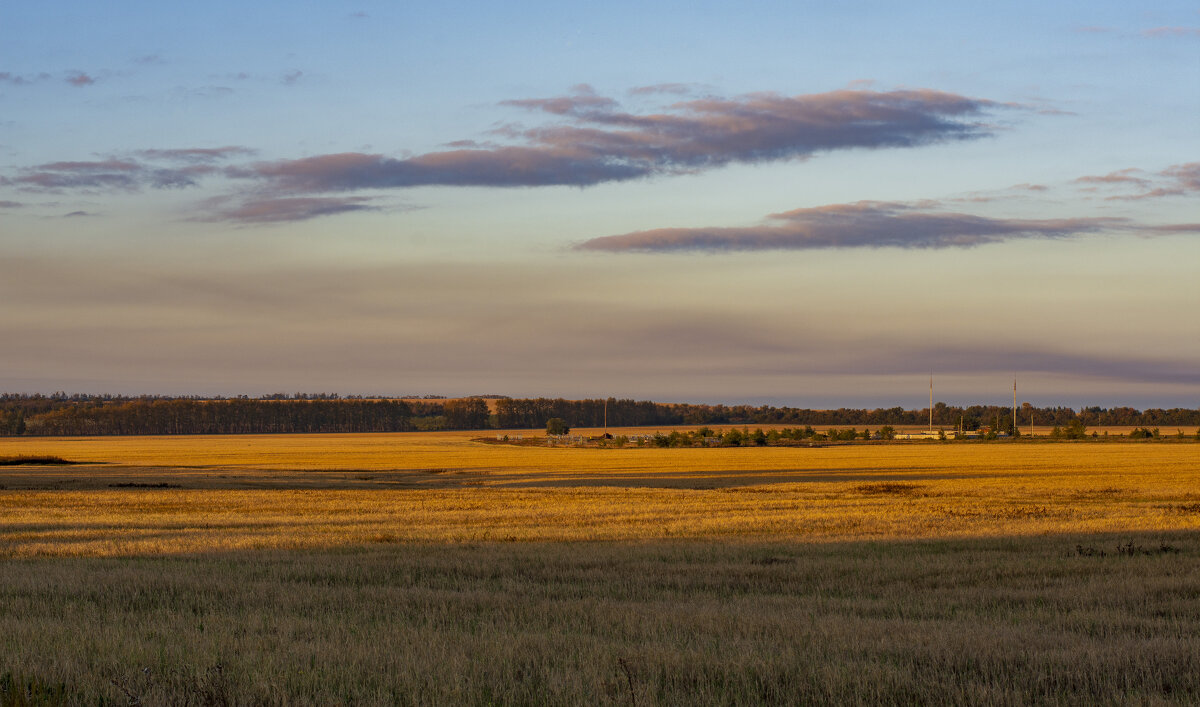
[{"x": 192, "y": 494}]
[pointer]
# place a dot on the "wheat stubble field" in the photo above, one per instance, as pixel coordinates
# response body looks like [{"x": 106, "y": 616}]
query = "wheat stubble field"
[{"x": 433, "y": 568}]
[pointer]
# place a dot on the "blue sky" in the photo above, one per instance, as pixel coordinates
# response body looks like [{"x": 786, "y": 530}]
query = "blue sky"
[{"x": 811, "y": 204}]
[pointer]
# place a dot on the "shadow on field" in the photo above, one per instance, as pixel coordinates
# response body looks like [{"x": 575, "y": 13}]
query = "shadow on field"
[
  {"x": 1002, "y": 620},
  {"x": 96, "y": 477}
]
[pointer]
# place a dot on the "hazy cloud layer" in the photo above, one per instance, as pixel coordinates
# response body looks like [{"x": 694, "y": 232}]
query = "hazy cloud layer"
[
  {"x": 359, "y": 327},
  {"x": 998, "y": 356},
  {"x": 599, "y": 142},
  {"x": 864, "y": 224}
]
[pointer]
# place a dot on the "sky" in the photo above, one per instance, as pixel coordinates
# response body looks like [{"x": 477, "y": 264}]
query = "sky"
[{"x": 788, "y": 203}]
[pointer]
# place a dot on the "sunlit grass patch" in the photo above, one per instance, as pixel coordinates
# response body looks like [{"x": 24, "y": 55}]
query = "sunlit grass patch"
[{"x": 481, "y": 493}]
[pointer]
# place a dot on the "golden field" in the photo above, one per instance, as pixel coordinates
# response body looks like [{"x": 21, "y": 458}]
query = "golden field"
[
  {"x": 154, "y": 495},
  {"x": 430, "y": 568}
]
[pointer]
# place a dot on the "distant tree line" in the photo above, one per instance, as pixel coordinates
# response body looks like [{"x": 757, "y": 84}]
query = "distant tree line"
[
  {"x": 62, "y": 414},
  {"x": 185, "y": 416},
  {"x": 517, "y": 413},
  {"x": 536, "y": 412}
]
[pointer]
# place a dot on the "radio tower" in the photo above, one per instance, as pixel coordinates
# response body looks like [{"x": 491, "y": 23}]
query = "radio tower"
[
  {"x": 1014, "y": 406},
  {"x": 931, "y": 403}
]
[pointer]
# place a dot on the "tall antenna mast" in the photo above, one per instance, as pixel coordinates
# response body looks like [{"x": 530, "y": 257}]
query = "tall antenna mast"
[
  {"x": 1014, "y": 406},
  {"x": 606, "y": 416},
  {"x": 931, "y": 402}
]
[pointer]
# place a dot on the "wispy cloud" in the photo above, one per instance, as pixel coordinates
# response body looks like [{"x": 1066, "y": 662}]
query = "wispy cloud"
[
  {"x": 1185, "y": 176},
  {"x": 1022, "y": 190},
  {"x": 678, "y": 89},
  {"x": 599, "y": 142},
  {"x": 75, "y": 78},
  {"x": 79, "y": 79},
  {"x": 1164, "y": 32},
  {"x": 1176, "y": 180},
  {"x": 864, "y": 224},
  {"x": 98, "y": 174},
  {"x": 1120, "y": 177},
  {"x": 276, "y": 210},
  {"x": 106, "y": 175},
  {"x": 292, "y": 77},
  {"x": 202, "y": 92},
  {"x": 79, "y": 214},
  {"x": 197, "y": 154},
  {"x": 22, "y": 80},
  {"x": 159, "y": 169}
]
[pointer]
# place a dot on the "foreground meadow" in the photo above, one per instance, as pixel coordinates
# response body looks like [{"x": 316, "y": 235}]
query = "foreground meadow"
[
  {"x": 431, "y": 568},
  {"x": 1000, "y": 621}
]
